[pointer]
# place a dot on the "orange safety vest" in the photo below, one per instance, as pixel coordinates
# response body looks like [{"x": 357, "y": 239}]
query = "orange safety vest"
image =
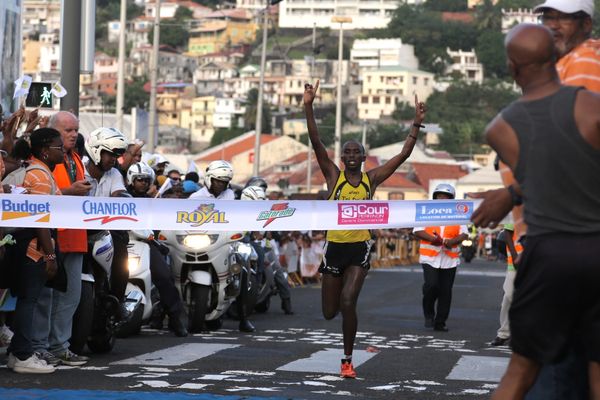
[
  {"x": 70, "y": 240},
  {"x": 429, "y": 250},
  {"x": 518, "y": 247}
]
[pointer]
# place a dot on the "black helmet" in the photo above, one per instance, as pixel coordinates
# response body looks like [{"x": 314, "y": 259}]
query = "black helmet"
[{"x": 257, "y": 181}]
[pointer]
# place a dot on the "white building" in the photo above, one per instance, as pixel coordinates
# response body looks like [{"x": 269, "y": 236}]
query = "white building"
[
  {"x": 229, "y": 113},
  {"x": 384, "y": 88},
  {"x": 209, "y": 77},
  {"x": 512, "y": 17},
  {"x": 173, "y": 66},
  {"x": 465, "y": 63},
  {"x": 365, "y": 14},
  {"x": 49, "y": 57},
  {"x": 251, "y": 4},
  {"x": 40, "y": 16},
  {"x": 377, "y": 53}
]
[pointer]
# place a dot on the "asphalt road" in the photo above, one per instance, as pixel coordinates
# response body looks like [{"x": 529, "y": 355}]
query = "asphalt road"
[{"x": 297, "y": 357}]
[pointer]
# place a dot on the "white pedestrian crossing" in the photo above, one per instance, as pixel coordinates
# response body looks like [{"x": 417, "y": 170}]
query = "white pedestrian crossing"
[
  {"x": 326, "y": 361},
  {"x": 479, "y": 368},
  {"x": 177, "y": 355}
]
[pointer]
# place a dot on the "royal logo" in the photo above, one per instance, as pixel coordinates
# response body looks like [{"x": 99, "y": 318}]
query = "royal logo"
[
  {"x": 363, "y": 213},
  {"x": 109, "y": 211},
  {"x": 26, "y": 208},
  {"x": 443, "y": 211},
  {"x": 205, "y": 213},
  {"x": 280, "y": 210}
]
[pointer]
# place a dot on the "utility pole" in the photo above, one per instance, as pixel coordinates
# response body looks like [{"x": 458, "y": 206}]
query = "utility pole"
[
  {"x": 312, "y": 78},
  {"x": 70, "y": 53},
  {"x": 338, "y": 108},
  {"x": 364, "y": 140},
  {"x": 121, "y": 72},
  {"x": 153, "y": 120}
]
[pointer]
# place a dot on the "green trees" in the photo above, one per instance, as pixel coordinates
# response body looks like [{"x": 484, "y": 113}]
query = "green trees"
[
  {"x": 250, "y": 114},
  {"x": 174, "y": 32}
]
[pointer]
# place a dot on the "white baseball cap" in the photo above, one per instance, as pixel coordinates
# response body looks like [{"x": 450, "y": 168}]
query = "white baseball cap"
[{"x": 568, "y": 6}]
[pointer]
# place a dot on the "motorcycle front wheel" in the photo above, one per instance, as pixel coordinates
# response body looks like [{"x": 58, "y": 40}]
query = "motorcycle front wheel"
[{"x": 198, "y": 308}]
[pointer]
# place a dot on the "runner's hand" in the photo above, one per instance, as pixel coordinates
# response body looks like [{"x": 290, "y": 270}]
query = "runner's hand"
[
  {"x": 495, "y": 206},
  {"x": 310, "y": 93}
]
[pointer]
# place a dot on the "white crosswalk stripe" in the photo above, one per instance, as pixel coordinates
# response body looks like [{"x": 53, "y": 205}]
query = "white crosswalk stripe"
[
  {"x": 479, "y": 368},
  {"x": 325, "y": 361},
  {"x": 177, "y": 355}
]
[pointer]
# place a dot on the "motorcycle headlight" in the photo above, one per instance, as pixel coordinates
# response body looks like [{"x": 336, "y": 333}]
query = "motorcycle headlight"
[
  {"x": 244, "y": 249},
  {"x": 196, "y": 242},
  {"x": 133, "y": 264},
  {"x": 467, "y": 243}
]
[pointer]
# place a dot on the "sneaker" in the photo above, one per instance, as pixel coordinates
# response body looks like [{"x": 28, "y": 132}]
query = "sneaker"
[
  {"x": 33, "y": 365},
  {"x": 50, "y": 358},
  {"x": 72, "y": 359},
  {"x": 347, "y": 369},
  {"x": 498, "y": 341},
  {"x": 5, "y": 336}
]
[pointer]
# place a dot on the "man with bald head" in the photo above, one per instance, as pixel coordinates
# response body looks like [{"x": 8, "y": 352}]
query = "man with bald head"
[
  {"x": 550, "y": 139},
  {"x": 53, "y": 316}
]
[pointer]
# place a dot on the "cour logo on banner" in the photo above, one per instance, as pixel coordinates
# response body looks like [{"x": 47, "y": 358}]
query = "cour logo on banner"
[
  {"x": 280, "y": 210},
  {"x": 24, "y": 209},
  {"x": 443, "y": 211},
  {"x": 205, "y": 213},
  {"x": 363, "y": 213},
  {"x": 109, "y": 211}
]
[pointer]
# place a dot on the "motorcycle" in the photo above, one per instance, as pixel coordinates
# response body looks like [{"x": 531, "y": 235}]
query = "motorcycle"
[
  {"x": 139, "y": 291},
  {"x": 467, "y": 250},
  {"x": 207, "y": 269},
  {"x": 95, "y": 322}
]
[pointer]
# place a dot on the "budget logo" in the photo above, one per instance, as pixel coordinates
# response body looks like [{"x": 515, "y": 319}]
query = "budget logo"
[
  {"x": 40, "y": 212},
  {"x": 280, "y": 210},
  {"x": 204, "y": 214},
  {"x": 363, "y": 213},
  {"x": 109, "y": 211},
  {"x": 444, "y": 211}
]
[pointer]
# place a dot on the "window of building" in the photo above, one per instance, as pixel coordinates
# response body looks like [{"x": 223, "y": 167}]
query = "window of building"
[
  {"x": 364, "y": 99},
  {"x": 375, "y": 99},
  {"x": 426, "y": 81},
  {"x": 396, "y": 196},
  {"x": 388, "y": 100},
  {"x": 415, "y": 80}
]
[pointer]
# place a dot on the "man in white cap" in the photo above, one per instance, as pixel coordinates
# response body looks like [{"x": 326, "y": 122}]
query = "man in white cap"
[{"x": 579, "y": 55}]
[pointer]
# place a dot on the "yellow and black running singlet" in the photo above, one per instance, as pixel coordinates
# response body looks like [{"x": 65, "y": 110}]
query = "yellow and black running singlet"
[{"x": 343, "y": 190}]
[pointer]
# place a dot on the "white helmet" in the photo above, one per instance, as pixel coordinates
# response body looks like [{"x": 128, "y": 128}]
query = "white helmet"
[
  {"x": 219, "y": 170},
  {"x": 444, "y": 188},
  {"x": 107, "y": 139},
  {"x": 138, "y": 171},
  {"x": 253, "y": 193}
]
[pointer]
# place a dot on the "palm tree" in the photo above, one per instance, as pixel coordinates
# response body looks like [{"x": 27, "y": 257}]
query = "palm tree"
[{"x": 250, "y": 113}]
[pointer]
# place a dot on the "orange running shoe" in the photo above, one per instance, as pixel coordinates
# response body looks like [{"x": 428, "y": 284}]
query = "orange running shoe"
[{"x": 347, "y": 370}]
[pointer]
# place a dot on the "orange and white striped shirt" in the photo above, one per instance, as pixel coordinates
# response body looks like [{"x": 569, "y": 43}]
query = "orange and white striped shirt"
[
  {"x": 581, "y": 66},
  {"x": 37, "y": 181}
]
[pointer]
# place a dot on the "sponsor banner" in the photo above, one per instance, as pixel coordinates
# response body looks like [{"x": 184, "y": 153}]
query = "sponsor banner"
[{"x": 226, "y": 215}]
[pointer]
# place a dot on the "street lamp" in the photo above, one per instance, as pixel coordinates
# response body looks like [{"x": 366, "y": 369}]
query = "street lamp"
[
  {"x": 263, "y": 59},
  {"x": 338, "y": 109}
]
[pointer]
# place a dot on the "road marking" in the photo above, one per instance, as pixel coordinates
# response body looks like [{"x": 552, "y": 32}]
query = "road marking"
[
  {"x": 177, "y": 355},
  {"x": 465, "y": 272},
  {"x": 479, "y": 368},
  {"x": 326, "y": 361}
]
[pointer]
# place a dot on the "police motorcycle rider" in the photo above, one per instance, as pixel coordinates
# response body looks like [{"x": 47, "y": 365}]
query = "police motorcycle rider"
[
  {"x": 264, "y": 250},
  {"x": 139, "y": 179},
  {"x": 103, "y": 147},
  {"x": 217, "y": 176}
]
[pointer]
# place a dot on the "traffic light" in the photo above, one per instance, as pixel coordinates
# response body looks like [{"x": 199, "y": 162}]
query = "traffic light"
[{"x": 40, "y": 95}]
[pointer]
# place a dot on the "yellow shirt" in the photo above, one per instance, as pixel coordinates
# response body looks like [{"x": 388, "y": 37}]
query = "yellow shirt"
[{"x": 343, "y": 190}]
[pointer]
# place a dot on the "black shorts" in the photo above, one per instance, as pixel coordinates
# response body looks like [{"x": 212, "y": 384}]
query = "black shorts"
[
  {"x": 339, "y": 256},
  {"x": 557, "y": 297}
]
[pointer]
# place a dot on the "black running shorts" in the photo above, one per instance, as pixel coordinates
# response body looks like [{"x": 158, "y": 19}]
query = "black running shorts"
[
  {"x": 557, "y": 297},
  {"x": 339, "y": 256}
]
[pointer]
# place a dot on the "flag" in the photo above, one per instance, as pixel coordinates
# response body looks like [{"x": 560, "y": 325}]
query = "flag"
[
  {"x": 58, "y": 90},
  {"x": 22, "y": 86},
  {"x": 165, "y": 186},
  {"x": 192, "y": 167}
]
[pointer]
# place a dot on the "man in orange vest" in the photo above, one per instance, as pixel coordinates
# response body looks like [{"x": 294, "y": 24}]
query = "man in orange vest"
[
  {"x": 53, "y": 317},
  {"x": 515, "y": 248},
  {"x": 439, "y": 254}
]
